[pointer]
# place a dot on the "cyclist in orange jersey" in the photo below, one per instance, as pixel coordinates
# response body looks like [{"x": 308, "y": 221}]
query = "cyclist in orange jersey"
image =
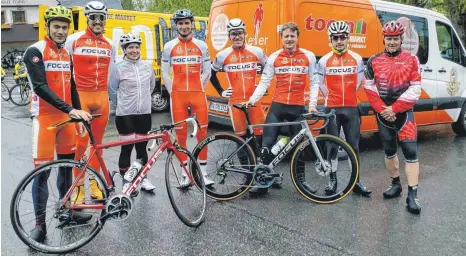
[
  {"x": 240, "y": 62},
  {"x": 340, "y": 74},
  {"x": 187, "y": 58},
  {"x": 54, "y": 99},
  {"x": 93, "y": 54}
]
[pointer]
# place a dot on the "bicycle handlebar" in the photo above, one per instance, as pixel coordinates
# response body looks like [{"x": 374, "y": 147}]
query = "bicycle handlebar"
[
  {"x": 193, "y": 120},
  {"x": 72, "y": 120},
  {"x": 318, "y": 116}
]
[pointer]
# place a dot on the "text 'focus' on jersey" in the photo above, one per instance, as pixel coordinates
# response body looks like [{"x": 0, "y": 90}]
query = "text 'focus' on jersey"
[
  {"x": 393, "y": 81},
  {"x": 241, "y": 67},
  {"x": 49, "y": 70},
  {"x": 292, "y": 72},
  {"x": 189, "y": 61},
  {"x": 92, "y": 58},
  {"x": 339, "y": 78}
]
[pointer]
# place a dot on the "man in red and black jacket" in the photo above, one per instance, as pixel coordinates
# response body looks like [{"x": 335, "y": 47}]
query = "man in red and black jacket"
[{"x": 393, "y": 86}]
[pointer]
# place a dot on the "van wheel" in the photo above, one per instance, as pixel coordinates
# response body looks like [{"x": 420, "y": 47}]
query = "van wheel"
[
  {"x": 160, "y": 102},
  {"x": 459, "y": 127}
]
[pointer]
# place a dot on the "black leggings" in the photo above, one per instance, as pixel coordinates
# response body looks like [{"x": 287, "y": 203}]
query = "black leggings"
[
  {"x": 278, "y": 113},
  {"x": 130, "y": 126},
  {"x": 350, "y": 120}
]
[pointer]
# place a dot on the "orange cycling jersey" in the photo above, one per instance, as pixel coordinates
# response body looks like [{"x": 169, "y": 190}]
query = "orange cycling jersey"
[
  {"x": 50, "y": 75},
  {"x": 92, "y": 56},
  {"x": 293, "y": 73},
  {"x": 339, "y": 78},
  {"x": 190, "y": 63},
  {"x": 241, "y": 66}
]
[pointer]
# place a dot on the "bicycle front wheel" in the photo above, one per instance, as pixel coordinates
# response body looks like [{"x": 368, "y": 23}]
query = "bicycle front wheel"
[
  {"x": 186, "y": 190},
  {"x": 329, "y": 181},
  {"x": 5, "y": 92},
  {"x": 20, "y": 95},
  {"x": 37, "y": 203}
]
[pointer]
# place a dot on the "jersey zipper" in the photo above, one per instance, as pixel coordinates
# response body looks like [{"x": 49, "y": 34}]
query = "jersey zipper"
[
  {"x": 291, "y": 76},
  {"x": 62, "y": 80},
  {"x": 242, "y": 73},
  {"x": 186, "y": 71},
  {"x": 342, "y": 82},
  {"x": 138, "y": 83},
  {"x": 97, "y": 68}
]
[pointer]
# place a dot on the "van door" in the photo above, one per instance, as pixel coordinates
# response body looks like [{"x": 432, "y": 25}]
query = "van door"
[{"x": 450, "y": 73}]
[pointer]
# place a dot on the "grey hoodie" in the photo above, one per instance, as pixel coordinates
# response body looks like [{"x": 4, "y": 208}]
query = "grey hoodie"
[{"x": 130, "y": 86}]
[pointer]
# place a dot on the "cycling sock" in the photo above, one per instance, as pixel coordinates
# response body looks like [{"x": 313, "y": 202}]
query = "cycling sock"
[{"x": 396, "y": 180}]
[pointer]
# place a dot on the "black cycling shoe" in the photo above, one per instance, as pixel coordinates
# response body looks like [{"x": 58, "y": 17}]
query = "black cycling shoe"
[
  {"x": 393, "y": 191},
  {"x": 362, "y": 190},
  {"x": 278, "y": 182},
  {"x": 257, "y": 191},
  {"x": 333, "y": 184},
  {"x": 412, "y": 202},
  {"x": 38, "y": 234}
]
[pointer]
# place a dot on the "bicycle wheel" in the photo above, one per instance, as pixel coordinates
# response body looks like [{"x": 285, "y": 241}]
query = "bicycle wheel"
[
  {"x": 37, "y": 202},
  {"x": 19, "y": 95},
  {"x": 317, "y": 184},
  {"x": 5, "y": 92},
  {"x": 188, "y": 202},
  {"x": 230, "y": 164}
]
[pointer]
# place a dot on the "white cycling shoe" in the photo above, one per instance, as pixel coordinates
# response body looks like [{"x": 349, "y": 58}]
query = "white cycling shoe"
[{"x": 147, "y": 185}]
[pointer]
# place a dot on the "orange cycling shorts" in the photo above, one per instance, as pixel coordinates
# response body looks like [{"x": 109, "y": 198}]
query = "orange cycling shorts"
[{"x": 238, "y": 119}]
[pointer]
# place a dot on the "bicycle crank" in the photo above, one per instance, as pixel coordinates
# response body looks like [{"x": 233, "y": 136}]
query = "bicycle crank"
[
  {"x": 263, "y": 176},
  {"x": 119, "y": 207}
]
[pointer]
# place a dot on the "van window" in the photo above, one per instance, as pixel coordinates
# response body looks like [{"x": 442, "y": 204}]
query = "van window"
[
  {"x": 418, "y": 45},
  {"x": 449, "y": 45}
]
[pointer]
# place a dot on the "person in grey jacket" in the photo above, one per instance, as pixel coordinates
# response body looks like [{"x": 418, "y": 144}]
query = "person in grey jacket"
[{"x": 130, "y": 87}]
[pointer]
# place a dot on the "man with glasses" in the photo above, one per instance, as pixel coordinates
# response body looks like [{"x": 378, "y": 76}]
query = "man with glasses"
[
  {"x": 239, "y": 61},
  {"x": 93, "y": 54},
  {"x": 339, "y": 74}
]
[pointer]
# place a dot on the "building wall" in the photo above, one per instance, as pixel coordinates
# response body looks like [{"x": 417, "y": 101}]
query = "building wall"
[{"x": 32, "y": 13}]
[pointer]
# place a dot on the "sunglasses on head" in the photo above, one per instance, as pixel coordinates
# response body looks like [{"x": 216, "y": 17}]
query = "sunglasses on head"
[
  {"x": 99, "y": 17},
  {"x": 235, "y": 34},
  {"x": 341, "y": 37}
]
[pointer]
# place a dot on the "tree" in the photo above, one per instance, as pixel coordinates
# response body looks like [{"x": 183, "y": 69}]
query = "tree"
[
  {"x": 199, "y": 7},
  {"x": 127, "y": 4}
]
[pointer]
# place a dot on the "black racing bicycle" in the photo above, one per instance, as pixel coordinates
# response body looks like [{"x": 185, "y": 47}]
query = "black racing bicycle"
[{"x": 316, "y": 170}]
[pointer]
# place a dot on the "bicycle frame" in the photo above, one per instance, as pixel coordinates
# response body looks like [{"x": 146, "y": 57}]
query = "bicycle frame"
[
  {"x": 305, "y": 131},
  {"x": 166, "y": 145}
]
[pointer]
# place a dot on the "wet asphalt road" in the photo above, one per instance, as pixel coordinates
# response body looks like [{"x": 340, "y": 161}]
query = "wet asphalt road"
[{"x": 280, "y": 223}]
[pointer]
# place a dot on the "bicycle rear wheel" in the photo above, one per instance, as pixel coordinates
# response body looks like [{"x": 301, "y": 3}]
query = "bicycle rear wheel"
[
  {"x": 339, "y": 178},
  {"x": 230, "y": 164},
  {"x": 37, "y": 202},
  {"x": 20, "y": 95},
  {"x": 188, "y": 202},
  {"x": 5, "y": 92}
]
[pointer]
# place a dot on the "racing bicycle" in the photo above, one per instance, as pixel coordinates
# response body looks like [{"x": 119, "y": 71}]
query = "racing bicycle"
[
  {"x": 64, "y": 233},
  {"x": 317, "y": 171}
]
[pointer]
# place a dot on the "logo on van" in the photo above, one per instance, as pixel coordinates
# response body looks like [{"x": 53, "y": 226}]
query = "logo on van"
[
  {"x": 258, "y": 18},
  {"x": 219, "y": 36},
  {"x": 322, "y": 24},
  {"x": 454, "y": 84}
]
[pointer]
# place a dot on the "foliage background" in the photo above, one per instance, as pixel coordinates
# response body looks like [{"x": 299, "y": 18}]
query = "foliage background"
[{"x": 455, "y": 10}]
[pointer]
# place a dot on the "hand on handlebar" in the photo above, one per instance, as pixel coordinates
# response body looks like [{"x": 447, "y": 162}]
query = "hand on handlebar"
[
  {"x": 80, "y": 115},
  {"x": 313, "y": 109}
]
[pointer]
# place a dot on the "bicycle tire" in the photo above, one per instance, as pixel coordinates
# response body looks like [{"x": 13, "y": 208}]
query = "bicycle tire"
[
  {"x": 18, "y": 227},
  {"x": 22, "y": 92},
  {"x": 245, "y": 185},
  {"x": 199, "y": 218},
  {"x": 6, "y": 91},
  {"x": 303, "y": 189}
]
